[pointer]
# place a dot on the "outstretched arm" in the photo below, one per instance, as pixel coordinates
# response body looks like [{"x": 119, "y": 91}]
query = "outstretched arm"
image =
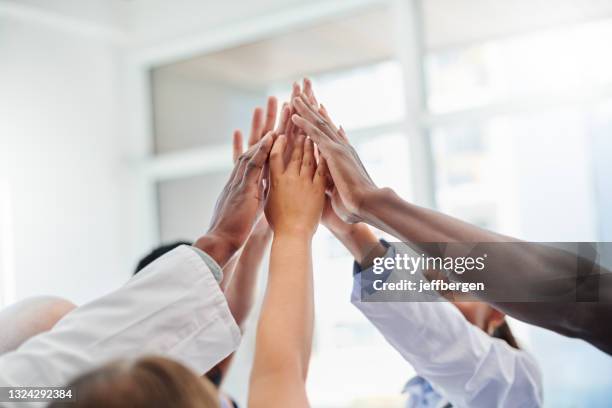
[
  {"x": 478, "y": 372},
  {"x": 240, "y": 276},
  {"x": 357, "y": 198},
  {"x": 241, "y": 272},
  {"x": 284, "y": 332}
]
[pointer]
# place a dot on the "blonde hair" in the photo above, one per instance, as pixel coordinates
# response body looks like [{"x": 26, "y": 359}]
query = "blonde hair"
[{"x": 149, "y": 382}]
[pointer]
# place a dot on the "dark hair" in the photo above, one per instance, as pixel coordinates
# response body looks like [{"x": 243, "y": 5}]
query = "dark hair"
[
  {"x": 503, "y": 332},
  {"x": 150, "y": 382},
  {"x": 158, "y": 252}
]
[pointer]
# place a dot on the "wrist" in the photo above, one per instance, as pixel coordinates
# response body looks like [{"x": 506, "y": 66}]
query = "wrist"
[
  {"x": 360, "y": 241},
  {"x": 346, "y": 231},
  {"x": 262, "y": 230},
  {"x": 372, "y": 200},
  {"x": 302, "y": 234},
  {"x": 218, "y": 246}
]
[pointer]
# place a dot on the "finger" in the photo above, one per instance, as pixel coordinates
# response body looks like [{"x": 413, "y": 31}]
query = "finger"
[
  {"x": 257, "y": 161},
  {"x": 321, "y": 175},
  {"x": 295, "y": 163},
  {"x": 237, "y": 145},
  {"x": 320, "y": 138},
  {"x": 263, "y": 180},
  {"x": 342, "y": 134},
  {"x": 323, "y": 112},
  {"x": 307, "y": 87},
  {"x": 295, "y": 90},
  {"x": 285, "y": 119},
  {"x": 276, "y": 162},
  {"x": 256, "y": 126},
  {"x": 308, "y": 161},
  {"x": 314, "y": 118},
  {"x": 270, "y": 115}
]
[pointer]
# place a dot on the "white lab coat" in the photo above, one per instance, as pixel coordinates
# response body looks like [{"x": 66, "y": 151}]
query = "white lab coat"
[
  {"x": 463, "y": 364},
  {"x": 174, "y": 308}
]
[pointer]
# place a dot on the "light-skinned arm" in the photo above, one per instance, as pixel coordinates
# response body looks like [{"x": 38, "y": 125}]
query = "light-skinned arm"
[{"x": 284, "y": 332}]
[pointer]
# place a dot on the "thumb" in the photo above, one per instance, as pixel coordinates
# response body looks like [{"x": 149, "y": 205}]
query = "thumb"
[{"x": 256, "y": 163}]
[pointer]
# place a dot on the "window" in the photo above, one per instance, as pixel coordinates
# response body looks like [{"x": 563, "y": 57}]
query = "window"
[
  {"x": 517, "y": 117},
  {"x": 520, "y": 131},
  {"x": 513, "y": 130},
  {"x": 196, "y": 105},
  {"x": 342, "y": 334}
]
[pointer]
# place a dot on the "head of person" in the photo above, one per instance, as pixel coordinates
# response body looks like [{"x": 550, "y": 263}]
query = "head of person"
[
  {"x": 487, "y": 318},
  {"x": 150, "y": 382},
  {"x": 30, "y": 317},
  {"x": 158, "y": 252}
]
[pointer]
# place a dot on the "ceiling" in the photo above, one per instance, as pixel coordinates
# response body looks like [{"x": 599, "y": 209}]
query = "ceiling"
[
  {"x": 353, "y": 40},
  {"x": 446, "y": 22},
  {"x": 148, "y": 22},
  {"x": 450, "y": 22}
]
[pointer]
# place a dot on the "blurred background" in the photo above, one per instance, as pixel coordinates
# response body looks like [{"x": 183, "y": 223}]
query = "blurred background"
[{"x": 116, "y": 118}]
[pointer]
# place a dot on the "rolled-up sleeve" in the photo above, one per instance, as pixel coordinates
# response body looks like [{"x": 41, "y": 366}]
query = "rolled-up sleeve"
[
  {"x": 463, "y": 363},
  {"x": 174, "y": 308}
]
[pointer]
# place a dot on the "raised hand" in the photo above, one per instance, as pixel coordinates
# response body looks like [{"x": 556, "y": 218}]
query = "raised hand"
[
  {"x": 260, "y": 126},
  {"x": 240, "y": 204},
  {"x": 352, "y": 183},
  {"x": 297, "y": 190}
]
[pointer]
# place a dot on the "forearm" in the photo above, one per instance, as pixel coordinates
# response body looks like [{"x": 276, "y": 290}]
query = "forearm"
[
  {"x": 175, "y": 307},
  {"x": 527, "y": 263},
  {"x": 384, "y": 209},
  {"x": 228, "y": 271},
  {"x": 218, "y": 247},
  {"x": 284, "y": 333},
  {"x": 361, "y": 242},
  {"x": 457, "y": 357},
  {"x": 240, "y": 290}
]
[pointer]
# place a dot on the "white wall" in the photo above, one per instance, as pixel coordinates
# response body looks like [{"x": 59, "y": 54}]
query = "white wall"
[{"x": 59, "y": 155}]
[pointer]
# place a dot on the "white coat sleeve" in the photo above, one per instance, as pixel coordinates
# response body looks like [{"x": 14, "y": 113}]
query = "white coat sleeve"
[
  {"x": 464, "y": 364},
  {"x": 174, "y": 308}
]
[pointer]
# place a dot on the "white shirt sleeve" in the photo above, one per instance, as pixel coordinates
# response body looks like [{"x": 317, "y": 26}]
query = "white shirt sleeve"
[
  {"x": 174, "y": 308},
  {"x": 463, "y": 363}
]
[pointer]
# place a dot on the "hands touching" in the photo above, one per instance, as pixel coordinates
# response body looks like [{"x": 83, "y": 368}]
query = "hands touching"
[
  {"x": 297, "y": 189},
  {"x": 241, "y": 202},
  {"x": 239, "y": 206},
  {"x": 295, "y": 201},
  {"x": 261, "y": 125},
  {"x": 352, "y": 184}
]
